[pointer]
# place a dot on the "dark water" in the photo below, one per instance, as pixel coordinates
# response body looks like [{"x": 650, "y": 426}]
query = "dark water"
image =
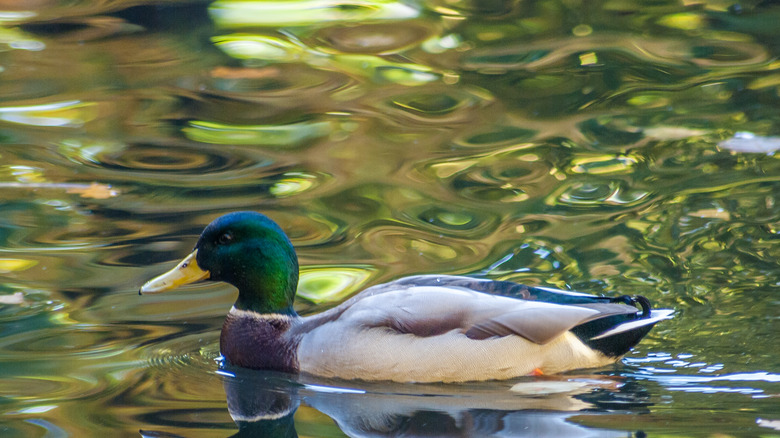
[{"x": 599, "y": 146}]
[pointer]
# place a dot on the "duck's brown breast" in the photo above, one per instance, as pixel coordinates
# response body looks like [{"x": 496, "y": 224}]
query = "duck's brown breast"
[{"x": 259, "y": 341}]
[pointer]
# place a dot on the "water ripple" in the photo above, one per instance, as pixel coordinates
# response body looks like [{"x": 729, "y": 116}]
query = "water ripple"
[
  {"x": 459, "y": 222},
  {"x": 37, "y": 389},
  {"x": 82, "y": 30},
  {"x": 191, "y": 354},
  {"x": 152, "y": 159},
  {"x": 539, "y": 56},
  {"x": 496, "y": 137},
  {"x": 78, "y": 340},
  {"x": 438, "y": 106},
  {"x": 532, "y": 257},
  {"x": 270, "y": 88},
  {"x": 673, "y": 374},
  {"x": 396, "y": 244},
  {"x": 375, "y": 38},
  {"x": 598, "y": 193},
  {"x": 509, "y": 140},
  {"x": 513, "y": 176}
]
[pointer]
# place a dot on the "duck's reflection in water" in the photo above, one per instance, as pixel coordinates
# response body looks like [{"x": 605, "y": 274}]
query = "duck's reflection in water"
[{"x": 263, "y": 404}]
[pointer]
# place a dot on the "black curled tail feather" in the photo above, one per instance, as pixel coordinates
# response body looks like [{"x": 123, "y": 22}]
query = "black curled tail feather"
[
  {"x": 634, "y": 300},
  {"x": 645, "y": 304}
]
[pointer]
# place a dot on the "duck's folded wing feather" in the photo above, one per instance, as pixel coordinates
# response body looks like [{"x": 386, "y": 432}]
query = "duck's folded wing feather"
[
  {"x": 433, "y": 310},
  {"x": 538, "y": 324}
]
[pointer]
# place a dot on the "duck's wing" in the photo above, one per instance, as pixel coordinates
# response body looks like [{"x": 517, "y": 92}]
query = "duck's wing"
[
  {"x": 617, "y": 328},
  {"x": 429, "y": 306}
]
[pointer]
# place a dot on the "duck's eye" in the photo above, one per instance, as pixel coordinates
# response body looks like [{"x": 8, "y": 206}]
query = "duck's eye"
[{"x": 225, "y": 238}]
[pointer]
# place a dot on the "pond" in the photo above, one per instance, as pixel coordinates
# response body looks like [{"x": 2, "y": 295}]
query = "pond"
[{"x": 609, "y": 147}]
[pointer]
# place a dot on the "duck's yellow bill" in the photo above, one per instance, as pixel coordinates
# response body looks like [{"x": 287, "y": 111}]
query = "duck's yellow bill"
[{"x": 186, "y": 272}]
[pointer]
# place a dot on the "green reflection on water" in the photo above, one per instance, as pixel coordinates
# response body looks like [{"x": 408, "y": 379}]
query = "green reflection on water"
[
  {"x": 608, "y": 147},
  {"x": 322, "y": 284}
]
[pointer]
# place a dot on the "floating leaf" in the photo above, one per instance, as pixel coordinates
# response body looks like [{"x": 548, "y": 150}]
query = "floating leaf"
[{"x": 94, "y": 191}]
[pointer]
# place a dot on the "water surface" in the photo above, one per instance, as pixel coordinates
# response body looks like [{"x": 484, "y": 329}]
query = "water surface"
[{"x": 606, "y": 147}]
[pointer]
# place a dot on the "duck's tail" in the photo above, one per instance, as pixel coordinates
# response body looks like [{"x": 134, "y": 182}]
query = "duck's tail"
[{"x": 615, "y": 335}]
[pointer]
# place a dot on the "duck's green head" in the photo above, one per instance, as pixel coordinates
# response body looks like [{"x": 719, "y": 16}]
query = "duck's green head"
[{"x": 247, "y": 250}]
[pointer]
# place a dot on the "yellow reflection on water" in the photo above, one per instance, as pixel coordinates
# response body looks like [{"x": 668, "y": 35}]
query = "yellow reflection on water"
[
  {"x": 14, "y": 265},
  {"x": 290, "y": 135}
]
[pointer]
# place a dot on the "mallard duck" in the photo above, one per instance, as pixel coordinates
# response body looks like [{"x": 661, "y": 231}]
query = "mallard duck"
[{"x": 425, "y": 328}]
